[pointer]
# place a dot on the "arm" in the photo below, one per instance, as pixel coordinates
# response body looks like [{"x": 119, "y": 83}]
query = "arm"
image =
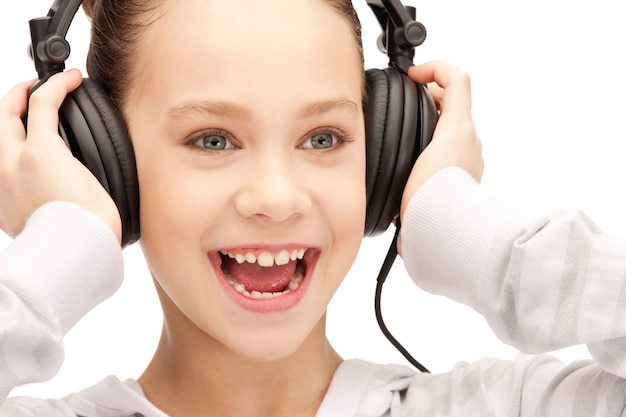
[
  {"x": 537, "y": 385},
  {"x": 64, "y": 263},
  {"x": 66, "y": 256},
  {"x": 543, "y": 283}
]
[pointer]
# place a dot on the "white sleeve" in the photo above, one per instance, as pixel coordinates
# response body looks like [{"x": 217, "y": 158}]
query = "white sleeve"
[
  {"x": 65, "y": 262},
  {"x": 541, "y": 284},
  {"x": 536, "y": 385}
]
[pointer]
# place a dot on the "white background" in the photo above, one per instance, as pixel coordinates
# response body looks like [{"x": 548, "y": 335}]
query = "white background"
[{"x": 548, "y": 87}]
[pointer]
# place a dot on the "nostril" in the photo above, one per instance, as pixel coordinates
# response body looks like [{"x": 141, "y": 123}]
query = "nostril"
[{"x": 273, "y": 200}]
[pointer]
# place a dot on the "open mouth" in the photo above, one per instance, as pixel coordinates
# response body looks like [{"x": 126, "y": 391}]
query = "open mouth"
[{"x": 263, "y": 274}]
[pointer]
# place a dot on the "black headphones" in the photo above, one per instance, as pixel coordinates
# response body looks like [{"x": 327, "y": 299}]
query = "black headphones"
[{"x": 400, "y": 116}]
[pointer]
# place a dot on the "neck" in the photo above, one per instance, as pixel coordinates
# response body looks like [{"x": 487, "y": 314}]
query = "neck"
[{"x": 204, "y": 378}]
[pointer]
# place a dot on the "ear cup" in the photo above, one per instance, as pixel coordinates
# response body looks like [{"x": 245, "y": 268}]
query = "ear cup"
[
  {"x": 94, "y": 130},
  {"x": 400, "y": 118}
]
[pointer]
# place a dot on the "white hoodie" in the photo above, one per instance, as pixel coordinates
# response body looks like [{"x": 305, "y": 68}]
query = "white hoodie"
[{"x": 541, "y": 284}]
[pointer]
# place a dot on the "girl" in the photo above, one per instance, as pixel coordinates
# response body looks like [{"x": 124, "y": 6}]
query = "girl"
[{"x": 252, "y": 209}]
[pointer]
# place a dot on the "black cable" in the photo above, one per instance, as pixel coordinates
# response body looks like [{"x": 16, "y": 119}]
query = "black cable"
[{"x": 382, "y": 276}]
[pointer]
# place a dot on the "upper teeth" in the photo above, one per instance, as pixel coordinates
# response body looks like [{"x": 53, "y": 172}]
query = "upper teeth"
[{"x": 264, "y": 258}]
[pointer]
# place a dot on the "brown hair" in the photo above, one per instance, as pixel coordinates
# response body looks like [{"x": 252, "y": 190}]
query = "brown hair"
[{"x": 116, "y": 28}]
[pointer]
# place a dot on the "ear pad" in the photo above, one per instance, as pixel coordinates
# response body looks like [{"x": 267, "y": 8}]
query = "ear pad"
[
  {"x": 400, "y": 118},
  {"x": 94, "y": 130}
]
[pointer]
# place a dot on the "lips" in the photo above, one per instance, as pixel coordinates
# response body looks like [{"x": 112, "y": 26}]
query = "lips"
[{"x": 263, "y": 280}]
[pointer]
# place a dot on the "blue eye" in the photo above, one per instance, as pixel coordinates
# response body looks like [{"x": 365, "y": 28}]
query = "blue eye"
[
  {"x": 320, "y": 141},
  {"x": 213, "y": 142}
]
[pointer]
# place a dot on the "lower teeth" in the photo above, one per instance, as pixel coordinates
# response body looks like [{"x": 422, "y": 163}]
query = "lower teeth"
[{"x": 293, "y": 285}]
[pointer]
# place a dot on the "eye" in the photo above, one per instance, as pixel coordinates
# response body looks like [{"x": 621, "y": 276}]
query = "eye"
[
  {"x": 320, "y": 141},
  {"x": 327, "y": 139},
  {"x": 212, "y": 141}
]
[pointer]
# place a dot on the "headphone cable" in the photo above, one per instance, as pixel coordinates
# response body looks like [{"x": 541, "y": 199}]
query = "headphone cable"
[{"x": 382, "y": 276}]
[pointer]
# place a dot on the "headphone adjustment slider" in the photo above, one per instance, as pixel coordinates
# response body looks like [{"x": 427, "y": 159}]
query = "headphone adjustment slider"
[
  {"x": 410, "y": 35},
  {"x": 48, "y": 50},
  {"x": 53, "y": 50}
]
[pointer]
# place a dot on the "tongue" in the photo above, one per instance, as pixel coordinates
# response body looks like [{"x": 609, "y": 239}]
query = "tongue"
[{"x": 255, "y": 277}]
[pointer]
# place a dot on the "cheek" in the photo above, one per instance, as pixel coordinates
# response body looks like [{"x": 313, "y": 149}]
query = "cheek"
[
  {"x": 345, "y": 207},
  {"x": 173, "y": 203},
  {"x": 161, "y": 212},
  {"x": 174, "y": 212},
  {"x": 160, "y": 191},
  {"x": 346, "y": 194}
]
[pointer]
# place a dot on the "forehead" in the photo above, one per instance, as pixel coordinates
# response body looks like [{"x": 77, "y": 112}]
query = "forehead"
[{"x": 228, "y": 45}]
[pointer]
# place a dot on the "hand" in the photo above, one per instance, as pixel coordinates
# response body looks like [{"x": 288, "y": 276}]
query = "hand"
[
  {"x": 454, "y": 141},
  {"x": 37, "y": 167}
]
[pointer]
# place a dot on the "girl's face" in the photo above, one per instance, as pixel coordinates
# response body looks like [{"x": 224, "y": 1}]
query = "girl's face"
[{"x": 248, "y": 131}]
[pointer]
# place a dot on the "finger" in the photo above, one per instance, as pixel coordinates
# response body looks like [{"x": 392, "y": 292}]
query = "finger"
[
  {"x": 44, "y": 104},
  {"x": 456, "y": 83},
  {"x": 436, "y": 93},
  {"x": 435, "y": 71},
  {"x": 12, "y": 109},
  {"x": 15, "y": 101}
]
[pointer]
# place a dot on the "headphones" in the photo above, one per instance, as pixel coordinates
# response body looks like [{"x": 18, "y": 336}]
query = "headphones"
[{"x": 400, "y": 116}]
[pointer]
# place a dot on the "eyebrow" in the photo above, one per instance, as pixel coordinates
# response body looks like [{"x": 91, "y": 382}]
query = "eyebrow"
[
  {"x": 207, "y": 107},
  {"x": 233, "y": 110},
  {"x": 320, "y": 107}
]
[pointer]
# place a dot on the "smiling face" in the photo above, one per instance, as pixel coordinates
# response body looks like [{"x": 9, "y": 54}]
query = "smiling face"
[{"x": 248, "y": 131}]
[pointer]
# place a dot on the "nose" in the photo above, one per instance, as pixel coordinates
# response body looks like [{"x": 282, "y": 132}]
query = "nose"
[{"x": 273, "y": 191}]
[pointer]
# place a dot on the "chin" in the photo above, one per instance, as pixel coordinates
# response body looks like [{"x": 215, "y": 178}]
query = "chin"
[{"x": 270, "y": 347}]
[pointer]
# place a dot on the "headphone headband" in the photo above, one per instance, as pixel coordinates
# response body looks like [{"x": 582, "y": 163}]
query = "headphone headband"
[
  {"x": 401, "y": 32},
  {"x": 49, "y": 49}
]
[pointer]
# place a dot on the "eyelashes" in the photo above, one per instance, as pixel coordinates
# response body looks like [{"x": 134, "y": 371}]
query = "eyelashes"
[
  {"x": 217, "y": 140},
  {"x": 212, "y": 140},
  {"x": 326, "y": 139}
]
